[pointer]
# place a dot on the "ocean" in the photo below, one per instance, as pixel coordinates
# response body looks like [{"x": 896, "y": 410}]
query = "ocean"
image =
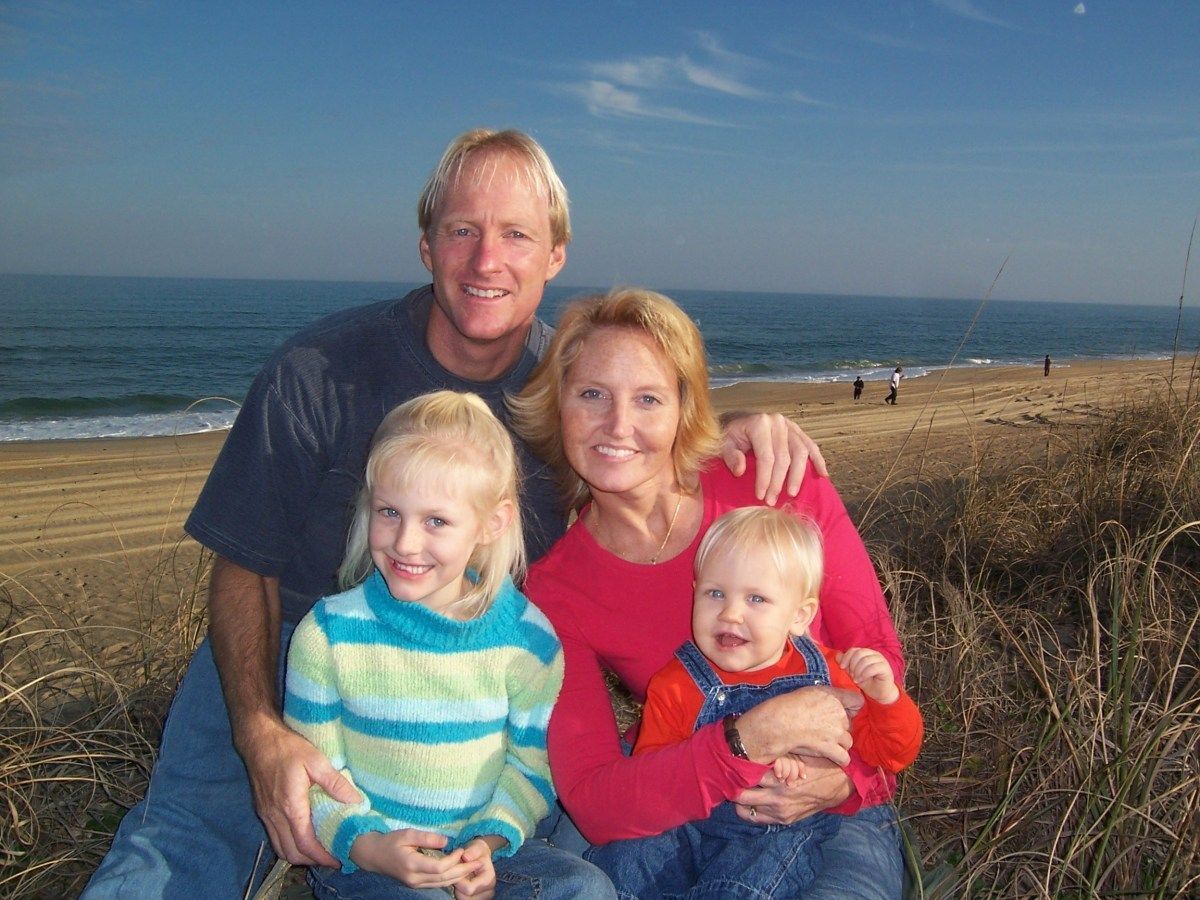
[{"x": 84, "y": 357}]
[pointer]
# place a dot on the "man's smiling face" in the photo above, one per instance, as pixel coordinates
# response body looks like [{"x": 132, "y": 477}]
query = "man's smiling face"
[{"x": 491, "y": 253}]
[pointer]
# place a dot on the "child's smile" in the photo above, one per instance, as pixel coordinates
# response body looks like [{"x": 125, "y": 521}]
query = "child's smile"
[
  {"x": 422, "y": 539},
  {"x": 744, "y": 611}
]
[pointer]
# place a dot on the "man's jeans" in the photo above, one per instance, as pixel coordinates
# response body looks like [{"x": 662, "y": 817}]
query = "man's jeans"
[{"x": 196, "y": 834}]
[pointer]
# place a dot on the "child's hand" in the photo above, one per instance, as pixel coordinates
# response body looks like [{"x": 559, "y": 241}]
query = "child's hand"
[
  {"x": 790, "y": 770},
  {"x": 871, "y": 673},
  {"x": 403, "y": 855},
  {"x": 481, "y": 883}
]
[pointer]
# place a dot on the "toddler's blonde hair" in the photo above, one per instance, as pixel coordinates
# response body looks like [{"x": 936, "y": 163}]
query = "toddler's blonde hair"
[{"x": 793, "y": 543}]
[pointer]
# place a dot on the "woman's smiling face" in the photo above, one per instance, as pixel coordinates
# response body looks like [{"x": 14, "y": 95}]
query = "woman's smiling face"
[{"x": 620, "y": 413}]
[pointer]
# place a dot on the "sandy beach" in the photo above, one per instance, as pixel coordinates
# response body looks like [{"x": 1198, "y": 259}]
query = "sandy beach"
[{"x": 91, "y": 531}]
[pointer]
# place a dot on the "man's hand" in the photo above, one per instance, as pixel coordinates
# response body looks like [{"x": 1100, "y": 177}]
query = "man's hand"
[
  {"x": 282, "y": 765},
  {"x": 775, "y": 803},
  {"x": 811, "y": 721},
  {"x": 780, "y": 448}
]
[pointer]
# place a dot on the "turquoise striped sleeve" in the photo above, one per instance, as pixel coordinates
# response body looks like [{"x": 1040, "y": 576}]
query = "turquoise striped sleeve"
[
  {"x": 524, "y": 791},
  {"x": 313, "y": 708},
  {"x": 311, "y": 704},
  {"x": 339, "y": 824}
]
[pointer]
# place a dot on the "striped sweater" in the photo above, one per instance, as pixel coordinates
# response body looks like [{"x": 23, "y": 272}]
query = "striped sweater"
[{"x": 440, "y": 724}]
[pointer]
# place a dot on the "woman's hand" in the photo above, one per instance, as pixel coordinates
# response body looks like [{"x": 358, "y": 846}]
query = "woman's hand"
[
  {"x": 775, "y": 803},
  {"x": 811, "y": 721},
  {"x": 780, "y": 450}
]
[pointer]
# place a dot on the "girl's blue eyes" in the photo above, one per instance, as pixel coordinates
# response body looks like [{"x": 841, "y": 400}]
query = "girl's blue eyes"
[{"x": 433, "y": 521}]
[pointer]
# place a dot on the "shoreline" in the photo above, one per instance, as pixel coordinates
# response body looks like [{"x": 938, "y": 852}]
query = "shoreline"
[
  {"x": 872, "y": 373},
  {"x": 92, "y": 527}
]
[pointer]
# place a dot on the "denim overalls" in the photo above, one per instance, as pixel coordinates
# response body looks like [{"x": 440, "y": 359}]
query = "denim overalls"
[{"x": 723, "y": 856}]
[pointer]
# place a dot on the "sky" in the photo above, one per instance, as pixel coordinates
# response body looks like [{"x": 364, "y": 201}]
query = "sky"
[{"x": 903, "y": 148}]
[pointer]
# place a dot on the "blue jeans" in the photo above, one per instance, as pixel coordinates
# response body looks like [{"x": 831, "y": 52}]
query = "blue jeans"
[
  {"x": 535, "y": 872},
  {"x": 719, "y": 857},
  {"x": 196, "y": 834},
  {"x": 865, "y": 859},
  {"x": 826, "y": 856}
]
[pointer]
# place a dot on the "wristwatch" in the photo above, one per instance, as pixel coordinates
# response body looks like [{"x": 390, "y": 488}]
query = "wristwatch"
[{"x": 733, "y": 738}]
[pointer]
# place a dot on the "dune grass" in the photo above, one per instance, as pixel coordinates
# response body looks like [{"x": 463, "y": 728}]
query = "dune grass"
[
  {"x": 81, "y": 709},
  {"x": 1050, "y": 616}
]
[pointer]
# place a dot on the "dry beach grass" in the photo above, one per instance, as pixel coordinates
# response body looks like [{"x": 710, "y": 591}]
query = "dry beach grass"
[{"x": 1038, "y": 539}]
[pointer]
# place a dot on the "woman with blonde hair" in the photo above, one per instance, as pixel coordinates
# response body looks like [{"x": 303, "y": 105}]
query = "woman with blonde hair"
[{"x": 619, "y": 407}]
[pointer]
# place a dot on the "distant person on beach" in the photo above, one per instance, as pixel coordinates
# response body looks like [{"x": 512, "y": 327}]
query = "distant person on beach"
[
  {"x": 277, "y": 508},
  {"x": 621, "y": 405},
  {"x": 758, "y": 574},
  {"x": 429, "y": 681},
  {"x": 894, "y": 385},
  {"x": 858, "y": 387},
  {"x": 1046, "y": 367}
]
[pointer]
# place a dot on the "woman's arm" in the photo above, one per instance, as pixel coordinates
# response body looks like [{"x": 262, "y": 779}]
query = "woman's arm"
[{"x": 853, "y": 612}]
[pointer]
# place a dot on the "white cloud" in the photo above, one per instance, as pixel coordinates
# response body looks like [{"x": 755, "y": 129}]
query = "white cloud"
[
  {"x": 626, "y": 87},
  {"x": 1079, "y": 9},
  {"x": 649, "y": 71},
  {"x": 664, "y": 72},
  {"x": 967, "y": 9},
  {"x": 605, "y": 99},
  {"x": 715, "y": 81},
  {"x": 801, "y": 97}
]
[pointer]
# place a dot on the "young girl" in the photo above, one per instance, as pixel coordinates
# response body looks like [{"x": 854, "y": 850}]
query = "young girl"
[
  {"x": 758, "y": 574},
  {"x": 430, "y": 681}
]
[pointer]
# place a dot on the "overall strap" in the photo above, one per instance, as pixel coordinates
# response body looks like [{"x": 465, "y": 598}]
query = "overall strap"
[
  {"x": 698, "y": 667},
  {"x": 814, "y": 659}
]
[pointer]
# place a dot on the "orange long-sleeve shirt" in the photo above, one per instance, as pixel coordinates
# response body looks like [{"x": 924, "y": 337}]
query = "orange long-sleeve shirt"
[{"x": 886, "y": 735}]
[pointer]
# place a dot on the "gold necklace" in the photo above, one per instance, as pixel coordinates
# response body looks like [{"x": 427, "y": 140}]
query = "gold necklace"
[{"x": 670, "y": 528}]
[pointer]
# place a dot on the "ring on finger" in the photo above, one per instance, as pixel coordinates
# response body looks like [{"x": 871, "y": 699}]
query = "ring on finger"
[{"x": 753, "y": 812}]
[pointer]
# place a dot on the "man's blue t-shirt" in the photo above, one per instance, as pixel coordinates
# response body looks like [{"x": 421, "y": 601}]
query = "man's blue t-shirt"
[{"x": 280, "y": 497}]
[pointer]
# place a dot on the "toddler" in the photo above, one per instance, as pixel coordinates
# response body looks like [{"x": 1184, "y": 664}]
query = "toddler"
[{"x": 758, "y": 572}]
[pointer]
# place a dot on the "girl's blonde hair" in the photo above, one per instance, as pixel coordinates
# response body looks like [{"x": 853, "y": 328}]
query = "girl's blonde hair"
[
  {"x": 452, "y": 442},
  {"x": 537, "y": 409},
  {"x": 794, "y": 543}
]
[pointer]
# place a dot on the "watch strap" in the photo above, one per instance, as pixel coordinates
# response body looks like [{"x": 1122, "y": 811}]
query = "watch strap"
[{"x": 733, "y": 737}]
